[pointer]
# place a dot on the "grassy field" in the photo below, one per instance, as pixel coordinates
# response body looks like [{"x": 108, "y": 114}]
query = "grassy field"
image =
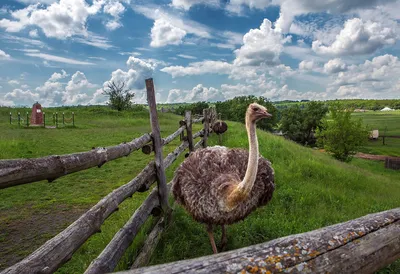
[
  {"x": 388, "y": 123},
  {"x": 313, "y": 190}
]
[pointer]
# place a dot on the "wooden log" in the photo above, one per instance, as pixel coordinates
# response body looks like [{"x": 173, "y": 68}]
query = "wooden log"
[
  {"x": 23, "y": 171},
  {"x": 198, "y": 120},
  {"x": 199, "y": 144},
  {"x": 198, "y": 134},
  {"x": 58, "y": 250},
  {"x": 206, "y": 127},
  {"x": 147, "y": 149},
  {"x": 110, "y": 256},
  {"x": 150, "y": 245},
  {"x": 363, "y": 245},
  {"x": 156, "y": 136},
  {"x": 189, "y": 133}
]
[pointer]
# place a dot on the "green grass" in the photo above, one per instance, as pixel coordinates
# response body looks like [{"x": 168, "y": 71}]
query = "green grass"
[
  {"x": 388, "y": 123},
  {"x": 313, "y": 190}
]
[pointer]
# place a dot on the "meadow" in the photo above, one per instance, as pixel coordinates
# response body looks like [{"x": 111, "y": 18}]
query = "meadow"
[
  {"x": 312, "y": 190},
  {"x": 388, "y": 124}
]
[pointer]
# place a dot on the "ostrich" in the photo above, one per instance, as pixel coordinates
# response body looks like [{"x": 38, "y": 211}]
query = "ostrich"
[{"x": 221, "y": 186}]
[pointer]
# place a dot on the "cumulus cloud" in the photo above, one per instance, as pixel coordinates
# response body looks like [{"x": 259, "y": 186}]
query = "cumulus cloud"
[
  {"x": 164, "y": 33},
  {"x": 334, "y": 66},
  {"x": 63, "y": 19},
  {"x": 197, "y": 93},
  {"x": 57, "y": 76},
  {"x": 308, "y": 65},
  {"x": 260, "y": 46},
  {"x": 198, "y": 68},
  {"x": 358, "y": 37},
  {"x": 236, "y": 6},
  {"x": 23, "y": 97},
  {"x": 75, "y": 91},
  {"x": 4, "y": 56},
  {"x": 187, "y": 4}
]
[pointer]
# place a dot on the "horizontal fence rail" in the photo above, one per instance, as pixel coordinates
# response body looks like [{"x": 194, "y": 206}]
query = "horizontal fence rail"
[
  {"x": 23, "y": 171},
  {"x": 363, "y": 245}
]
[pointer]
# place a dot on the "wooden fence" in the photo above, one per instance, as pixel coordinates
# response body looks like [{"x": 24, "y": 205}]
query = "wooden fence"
[
  {"x": 363, "y": 245},
  {"x": 58, "y": 250}
]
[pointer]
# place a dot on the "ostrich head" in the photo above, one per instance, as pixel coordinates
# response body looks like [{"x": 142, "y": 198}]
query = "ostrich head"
[{"x": 256, "y": 112}]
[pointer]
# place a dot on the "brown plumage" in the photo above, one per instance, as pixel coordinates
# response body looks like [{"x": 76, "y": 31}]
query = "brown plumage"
[
  {"x": 219, "y": 127},
  {"x": 221, "y": 186}
]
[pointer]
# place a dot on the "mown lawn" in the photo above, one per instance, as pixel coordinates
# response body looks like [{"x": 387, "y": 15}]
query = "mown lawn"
[
  {"x": 313, "y": 190},
  {"x": 388, "y": 123}
]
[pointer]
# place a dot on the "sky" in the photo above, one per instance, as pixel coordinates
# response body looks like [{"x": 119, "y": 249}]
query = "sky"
[{"x": 64, "y": 52}]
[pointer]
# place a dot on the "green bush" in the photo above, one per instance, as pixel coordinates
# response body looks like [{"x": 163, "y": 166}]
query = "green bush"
[
  {"x": 342, "y": 135},
  {"x": 235, "y": 109},
  {"x": 299, "y": 124}
]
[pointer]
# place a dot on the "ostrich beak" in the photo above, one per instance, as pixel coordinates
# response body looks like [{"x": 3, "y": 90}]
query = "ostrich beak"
[{"x": 266, "y": 114}]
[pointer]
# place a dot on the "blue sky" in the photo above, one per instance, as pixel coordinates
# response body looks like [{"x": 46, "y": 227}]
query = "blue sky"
[{"x": 62, "y": 52}]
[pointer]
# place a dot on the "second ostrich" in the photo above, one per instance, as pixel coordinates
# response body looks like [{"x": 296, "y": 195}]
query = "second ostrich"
[{"x": 221, "y": 186}]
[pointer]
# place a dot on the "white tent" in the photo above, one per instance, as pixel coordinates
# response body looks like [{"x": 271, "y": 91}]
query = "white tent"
[{"x": 386, "y": 109}]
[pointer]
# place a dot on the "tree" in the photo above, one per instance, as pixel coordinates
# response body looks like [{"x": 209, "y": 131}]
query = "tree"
[
  {"x": 235, "y": 109},
  {"x": 300, "y": 123},
  {"x": 342, "y": 135},
  {"x": 120, "y": 97}
]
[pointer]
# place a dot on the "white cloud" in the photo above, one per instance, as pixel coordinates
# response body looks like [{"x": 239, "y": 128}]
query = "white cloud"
[
  {"x": 24, "y": 41},
  {"x": 13, "y": 82},
  {"x": 187, "y": 4},
  {"x": 59, "y": 59},
  {"x": 164, "y": 33},
  {"x": 236, "y": 6},
  {"x": 199, "y": 68},
  {"x": 358, "y": 37},
  {"x": 6, "y": 103},
  {"x": 189, "y": 26},
  {"x": 98, "y": 98},
  {"x": 115, "y": 9},
  {"x": 334, "y": 66},
  {"x": 198, "y": 93},
  {"x": 292, "y": 8},
  {"x": 308, "y": 65},
  {"x": 57, "y": 76},
  {"x": 23, "y": 97},
  {"x": 94, "y": 40},
  {"x": 4, "y": 56},
  {"x": 34, "y": 33},
  {"x": 75, "y": 91},
  {"x": 260, "y": 46},
  {"x": 186, "y": 56}
]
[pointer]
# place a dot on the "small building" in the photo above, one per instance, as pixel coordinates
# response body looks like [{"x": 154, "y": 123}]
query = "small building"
[
  {"x": 37, "y": 114},
  {"x": 374, "y": 134}
]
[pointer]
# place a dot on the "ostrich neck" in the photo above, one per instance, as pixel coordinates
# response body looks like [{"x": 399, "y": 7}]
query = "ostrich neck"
[{"x": 248, "y": 181}]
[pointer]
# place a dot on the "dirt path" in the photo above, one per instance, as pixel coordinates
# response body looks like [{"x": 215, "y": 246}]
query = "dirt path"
[
  {"x": 20, "y": 237},
  {"x": 374, "y": 157}
]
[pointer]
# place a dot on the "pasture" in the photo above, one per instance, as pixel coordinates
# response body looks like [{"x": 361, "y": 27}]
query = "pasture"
[
  {"x": 312, "y": 190},
  {"x": 388, "y": 123}
]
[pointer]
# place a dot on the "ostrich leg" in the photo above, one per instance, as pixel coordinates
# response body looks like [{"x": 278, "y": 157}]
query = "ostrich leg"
[
  {"x": 224, "y": 240},
  {"x": 211, "y": 236}
]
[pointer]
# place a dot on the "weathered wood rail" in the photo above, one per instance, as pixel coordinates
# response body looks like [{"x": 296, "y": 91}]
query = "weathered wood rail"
[
  {"x": 363, "y": 245},
  {"x": 58, "y": 250}
]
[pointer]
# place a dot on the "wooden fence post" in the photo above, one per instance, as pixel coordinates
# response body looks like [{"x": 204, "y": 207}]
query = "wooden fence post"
[
  {"x": 19, "y": 119},
  {"x": 73, "y": 119},
  {"x": 63, "y": 119},
  {"x": 156, "y": 136},
  {"x": 206, "y": 127},
  {"x": 56, "y": 119},
  {"x": 182, "y": 135},
  {"x": 189, "y": 134},
  {"x": 10, "y": 118},
  {"x": 27, "y": 119},
  {"x": 44, "y": 119}
]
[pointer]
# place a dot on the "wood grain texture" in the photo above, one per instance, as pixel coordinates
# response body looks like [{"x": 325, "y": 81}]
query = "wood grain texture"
[
  {"x": 363, "y": 245},
  {"x": 189, "y": 133},
  {"x": 23, "y": 171}
]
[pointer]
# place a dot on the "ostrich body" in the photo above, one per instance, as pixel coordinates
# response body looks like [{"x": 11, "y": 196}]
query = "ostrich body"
[{"x": 221, "y": 186}]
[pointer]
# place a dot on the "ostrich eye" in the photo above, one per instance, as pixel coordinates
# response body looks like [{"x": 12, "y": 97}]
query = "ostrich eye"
[{"x": 256, "y": 109}]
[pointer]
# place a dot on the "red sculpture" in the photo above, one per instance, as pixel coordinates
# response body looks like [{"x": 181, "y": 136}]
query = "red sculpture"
[{"x": 37, "y": 114}]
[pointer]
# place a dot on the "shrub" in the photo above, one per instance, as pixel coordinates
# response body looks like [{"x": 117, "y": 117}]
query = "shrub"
[
  {"x": 120, "y": 97},
  {"x": 342, "y": 135}
]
